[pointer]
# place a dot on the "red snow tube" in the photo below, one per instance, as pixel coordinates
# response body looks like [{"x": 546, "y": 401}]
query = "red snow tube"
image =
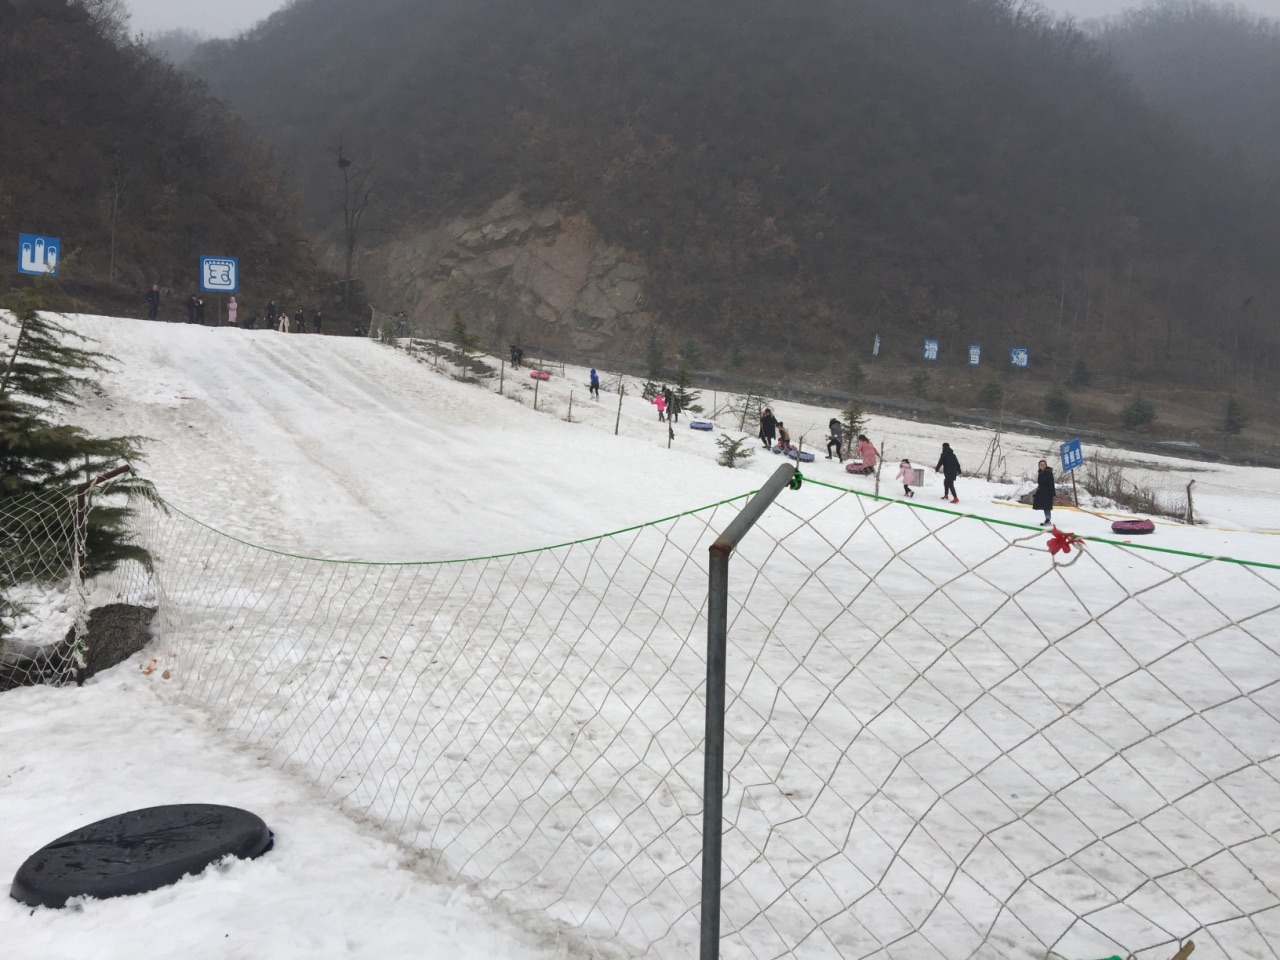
[
  {"x": 539, "y": 375},
  {"x": 857, "y": 466},
  {"x": 1133, "y": 526}
]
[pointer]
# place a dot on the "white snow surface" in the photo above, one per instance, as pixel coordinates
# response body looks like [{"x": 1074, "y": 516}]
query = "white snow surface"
[{"x": 345, "y": 448}]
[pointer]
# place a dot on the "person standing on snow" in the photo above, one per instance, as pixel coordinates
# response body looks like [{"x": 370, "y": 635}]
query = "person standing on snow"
[
  {"x": 316, "y": 322},
  {"x": 284, "y": 321},
  {"x": 153, "y": 301},
  {"x": 595, "y": 383},
  {"x": 949, "y": 467},
  {"x": 1045, "y": 493},
  {"x": 768, "y": 428},
  {"x": 233, "y": 309},
  {"x": 660, "y": 401},
  {"x": 907, "y": 474},
  {"x": 272, "y": 315},
  {"x": 299, "y": 321},
  {"x": 836, "y": 438}
]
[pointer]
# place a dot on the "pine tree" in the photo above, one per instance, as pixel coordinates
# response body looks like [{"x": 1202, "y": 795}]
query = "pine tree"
[
  {"x": 466, "y": 341},
  {"x": 732, "y": 450},
  {"x": 1235, "y": 418},
  {"x": 685, "y": 397},
  {"x": 41, "y": 370},
  {"x": 855, "y": 423}
]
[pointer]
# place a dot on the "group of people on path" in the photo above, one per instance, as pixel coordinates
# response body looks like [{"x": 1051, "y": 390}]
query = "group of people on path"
[
  {"x": 668, "y": 403},
  {"x": 275, "y": 317}
]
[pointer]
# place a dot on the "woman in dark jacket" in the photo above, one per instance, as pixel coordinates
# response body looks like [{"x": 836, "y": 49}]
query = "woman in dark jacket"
[
  {"x": 1045, "y": 492},
  {"x": 768, "y": 427},
  {"x": 949, "y": 467}
]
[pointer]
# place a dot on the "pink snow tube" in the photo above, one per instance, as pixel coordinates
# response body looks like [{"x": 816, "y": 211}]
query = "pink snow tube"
[
  {"x": 1133, "y": 526},
  {"x": 539, "y": 375}
]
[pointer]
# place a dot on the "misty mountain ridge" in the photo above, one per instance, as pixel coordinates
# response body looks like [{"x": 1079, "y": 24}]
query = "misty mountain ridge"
[{"x": 796, "y": 177}]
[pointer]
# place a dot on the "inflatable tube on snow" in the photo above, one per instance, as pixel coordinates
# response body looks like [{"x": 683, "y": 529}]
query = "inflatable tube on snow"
[
  {"x": 776, "y": 448},
  {"x": 856, "y": 466},
  {"x": 805, "y": 457},
  {"x": 701, "y": 425},
  {"x": 539, "y": 375},
  {"x": 1133, "y": 526}
]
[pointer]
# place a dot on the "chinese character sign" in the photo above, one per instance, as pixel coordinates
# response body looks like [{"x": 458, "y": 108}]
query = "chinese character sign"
[
  {"x": 975, "y": 354},
  {"x": 1019, "y": 356},
  {"x": 219, "y": 274},
  {"x": 875, "y": 347},
  {"x": 38, "y": 255},
  {"x": 931, "y": 349},
  {"x": 1072, "y": 456}
]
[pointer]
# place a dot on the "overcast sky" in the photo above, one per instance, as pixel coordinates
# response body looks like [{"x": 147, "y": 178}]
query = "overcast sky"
[{"x": 227, "y": 17}]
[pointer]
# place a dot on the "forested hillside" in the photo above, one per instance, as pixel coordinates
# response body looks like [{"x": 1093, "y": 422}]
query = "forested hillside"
[
  {"x": 801, "y": 175},
  {"x": 133, "y": 165},
  {"x": 1216, "y": 69}
]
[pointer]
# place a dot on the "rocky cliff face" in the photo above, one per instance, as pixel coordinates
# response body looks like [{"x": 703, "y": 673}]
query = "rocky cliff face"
[{"x": 515, "y": 272}]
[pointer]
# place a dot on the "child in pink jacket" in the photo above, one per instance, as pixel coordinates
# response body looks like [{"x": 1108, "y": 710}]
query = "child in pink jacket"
[
  {"x": 906, "y": 473},
  {"x": 661, "y": 403}
]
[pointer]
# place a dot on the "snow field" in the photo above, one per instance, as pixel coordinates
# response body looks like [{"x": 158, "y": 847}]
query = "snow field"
[{"x": 941, "y": 743}]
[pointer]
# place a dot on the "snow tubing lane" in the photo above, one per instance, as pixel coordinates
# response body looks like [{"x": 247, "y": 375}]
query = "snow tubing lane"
[
  {"x": 1133, "y": 526},
  {"x": 138, "y": 851},
  {"x": 701, "y": 425}
]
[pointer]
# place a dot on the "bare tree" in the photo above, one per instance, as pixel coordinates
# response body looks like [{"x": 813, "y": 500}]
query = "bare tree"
[
  {"x": 117, "y": 183},
  {"x": 357, "y": 190}
]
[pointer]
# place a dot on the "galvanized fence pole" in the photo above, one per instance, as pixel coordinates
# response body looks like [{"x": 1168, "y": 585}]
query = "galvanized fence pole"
[{"x": 717, "y": 641}]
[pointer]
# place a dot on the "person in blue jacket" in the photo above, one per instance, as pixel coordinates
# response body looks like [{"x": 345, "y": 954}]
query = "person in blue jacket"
[{"x": 595, "y": 383}]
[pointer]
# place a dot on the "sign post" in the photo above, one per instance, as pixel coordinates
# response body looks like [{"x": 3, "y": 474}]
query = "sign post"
[
  {"x": 1020, "y": 357},
  {"x": 1072, "y": 457},
  {"x": 931, "y": 349},
  {"x": 975, "y": 354}
]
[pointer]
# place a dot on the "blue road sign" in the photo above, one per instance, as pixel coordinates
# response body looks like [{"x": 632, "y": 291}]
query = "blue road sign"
[
  {"x": 220, "y": 274},
  {"x": 38, "y": 255},
  {"x": 975, "y": 354},
  {"x": 1019, "y": 356},
  {"x": 931, "y": 349},
  {"x": 1072, "y": 456}
]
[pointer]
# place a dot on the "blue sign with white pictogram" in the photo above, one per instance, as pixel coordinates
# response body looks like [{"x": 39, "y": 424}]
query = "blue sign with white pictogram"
[
  {"x": 38, "y": 255},
  {"x": 975, "y": 354},
  {"x": 931, "y": 349},
  {"x": 1019, "y": 356},
  {"x": 1072, "y": 456},
  {"x": 220, "y": 274}
]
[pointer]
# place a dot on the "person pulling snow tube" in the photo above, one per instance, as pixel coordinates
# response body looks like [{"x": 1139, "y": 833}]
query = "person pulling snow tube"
[
  {"x": 1133, "y": 526},
  {"x": 701, "y": 425}
]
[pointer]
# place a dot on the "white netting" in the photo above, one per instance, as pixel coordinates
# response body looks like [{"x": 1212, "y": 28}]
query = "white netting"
[
  {"x": 41, "y": 602},
  {"x": 942, "y": 741}
]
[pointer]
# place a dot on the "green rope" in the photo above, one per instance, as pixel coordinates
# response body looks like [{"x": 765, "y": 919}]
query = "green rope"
[
  {"x": 436, "y": 563},
  {"x": 797, "y": 478},
  {"x": 1036, "y": 529}
]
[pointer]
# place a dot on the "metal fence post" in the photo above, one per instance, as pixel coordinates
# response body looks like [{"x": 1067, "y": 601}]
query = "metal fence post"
[{"x": 717, "y": 642}]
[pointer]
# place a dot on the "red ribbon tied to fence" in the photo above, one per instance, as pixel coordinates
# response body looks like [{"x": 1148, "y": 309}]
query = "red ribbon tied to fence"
[{"x": 1063, "y": 541}]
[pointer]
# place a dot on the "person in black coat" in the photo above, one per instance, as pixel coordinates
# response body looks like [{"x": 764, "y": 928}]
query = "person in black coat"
[
  {"x": 191, "y": 308},
  {"x": 835, "y": 439},
  {"x": 199, "y": 309},
  {"x": 768, "y": 428},
  {"x": 949, "y": 467},
  {"x": 1045, "y": 493},
  {"x": 153, "y": 301}
]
